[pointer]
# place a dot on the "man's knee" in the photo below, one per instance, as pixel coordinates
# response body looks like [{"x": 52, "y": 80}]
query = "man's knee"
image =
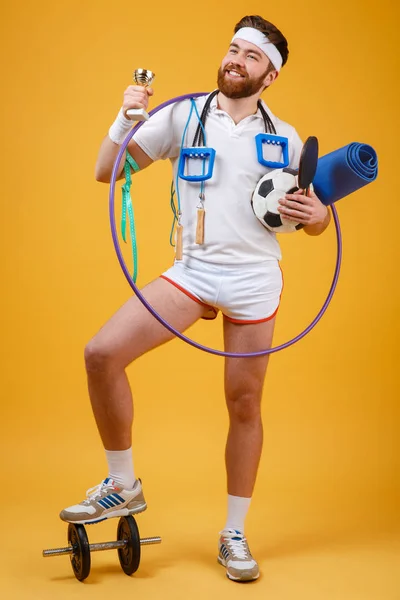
[
  {"x": 98, "y": 357},
  {"x": 244, "y": 407}
]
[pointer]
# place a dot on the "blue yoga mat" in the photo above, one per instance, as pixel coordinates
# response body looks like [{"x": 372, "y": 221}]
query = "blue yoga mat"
[{"x": 345, "y": 171}]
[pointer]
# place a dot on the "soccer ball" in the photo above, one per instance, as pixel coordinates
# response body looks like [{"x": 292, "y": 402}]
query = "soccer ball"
[{"x": 265, "y": 200}]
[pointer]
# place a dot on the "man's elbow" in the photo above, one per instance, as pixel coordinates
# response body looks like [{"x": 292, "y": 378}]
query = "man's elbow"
[{"x": 102, "y": 175}]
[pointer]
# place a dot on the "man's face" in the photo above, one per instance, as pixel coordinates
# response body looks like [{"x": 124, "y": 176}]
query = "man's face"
[{"x": 244, "y": 70}]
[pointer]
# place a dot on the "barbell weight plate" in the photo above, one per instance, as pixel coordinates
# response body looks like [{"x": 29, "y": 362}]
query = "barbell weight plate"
[
  {"x": 129, "y": 555},
  {"x": 80, "y": 558}
]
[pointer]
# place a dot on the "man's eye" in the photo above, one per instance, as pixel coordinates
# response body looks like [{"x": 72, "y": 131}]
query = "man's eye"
[
  {"x": 252, "y": 56},
  {"x": 233, "y": 51}
]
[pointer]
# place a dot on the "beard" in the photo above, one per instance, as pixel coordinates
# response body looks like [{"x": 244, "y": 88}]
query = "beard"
[{"x": 243, "y": 87}]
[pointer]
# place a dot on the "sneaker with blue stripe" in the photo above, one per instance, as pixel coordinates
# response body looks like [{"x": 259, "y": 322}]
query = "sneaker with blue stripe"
[
  {"x": 235, "y": 555},
  {"x": 105, "y": 501}
]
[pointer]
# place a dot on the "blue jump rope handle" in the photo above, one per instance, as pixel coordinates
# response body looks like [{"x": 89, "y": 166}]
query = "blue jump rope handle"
[
  {"x": 274, "y": 140},
  {"x": 202, "y": 153}
]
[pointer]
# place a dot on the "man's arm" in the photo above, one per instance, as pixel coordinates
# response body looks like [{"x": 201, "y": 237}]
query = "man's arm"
[
  {"x": 318, "y": 228},
  {"x": 108, "y": 153},
  {"x": 307, "y": 210},
  {"x": 134, "y": 97}
]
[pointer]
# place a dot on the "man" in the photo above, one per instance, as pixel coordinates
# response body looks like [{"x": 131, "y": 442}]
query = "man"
[{"x": 234, "y": 269}]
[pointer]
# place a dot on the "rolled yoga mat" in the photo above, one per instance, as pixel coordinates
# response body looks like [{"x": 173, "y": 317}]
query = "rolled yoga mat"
[{"x": 345, "y": 171}]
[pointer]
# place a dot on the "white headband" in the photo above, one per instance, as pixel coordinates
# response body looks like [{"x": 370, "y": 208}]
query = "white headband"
[{"x": 249, "y": 34}]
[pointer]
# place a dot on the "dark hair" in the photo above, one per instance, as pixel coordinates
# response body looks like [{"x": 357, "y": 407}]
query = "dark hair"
[{"x": 270, "y": 31}]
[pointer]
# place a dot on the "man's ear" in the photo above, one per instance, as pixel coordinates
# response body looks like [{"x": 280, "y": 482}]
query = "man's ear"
[{"x": 270, "y": 78}]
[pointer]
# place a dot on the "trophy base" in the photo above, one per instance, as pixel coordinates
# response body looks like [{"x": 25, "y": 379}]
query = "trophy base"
[{"x": 137, "y": 114}]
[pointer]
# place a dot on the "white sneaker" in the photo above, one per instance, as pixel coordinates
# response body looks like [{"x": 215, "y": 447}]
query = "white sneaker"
[
  {"x": 234, "y": 554},
  {"x": 105, "y": 501}
]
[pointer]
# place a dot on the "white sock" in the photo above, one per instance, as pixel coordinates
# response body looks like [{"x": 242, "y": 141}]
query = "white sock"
[
  {"x": 237, "y": 511},
  {"x": 120, "y": 467}
]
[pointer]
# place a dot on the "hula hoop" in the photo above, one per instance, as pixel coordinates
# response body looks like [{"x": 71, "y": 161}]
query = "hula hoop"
[{"x": 155, "y": 313}]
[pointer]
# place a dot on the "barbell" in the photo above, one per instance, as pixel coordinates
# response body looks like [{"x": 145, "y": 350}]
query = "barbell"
[{"x": 128, "y": 544}]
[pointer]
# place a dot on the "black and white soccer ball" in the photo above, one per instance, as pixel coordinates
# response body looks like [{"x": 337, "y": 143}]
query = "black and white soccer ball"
[{"x": 265, "y": 200}]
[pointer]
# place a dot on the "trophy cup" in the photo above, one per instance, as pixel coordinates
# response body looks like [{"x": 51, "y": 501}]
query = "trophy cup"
[{"x": 145, "y": 78}]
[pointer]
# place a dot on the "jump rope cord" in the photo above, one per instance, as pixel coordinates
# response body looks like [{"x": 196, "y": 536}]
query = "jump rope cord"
[
  {"x": 205, "y": 144},
  {"x": 177, "y": 210}
]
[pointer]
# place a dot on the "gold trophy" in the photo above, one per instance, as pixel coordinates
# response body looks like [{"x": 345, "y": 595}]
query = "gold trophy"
[{"x": 145, "y": 78}]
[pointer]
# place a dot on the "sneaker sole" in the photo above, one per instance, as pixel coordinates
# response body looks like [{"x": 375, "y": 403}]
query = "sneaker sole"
[
  {"x": 122, "y": 512},
  {"x": 232, "y": 578}
]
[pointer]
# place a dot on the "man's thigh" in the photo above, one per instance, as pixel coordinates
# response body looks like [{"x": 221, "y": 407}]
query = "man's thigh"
[
  {"x": 132, "y": 330},
  {"x": 245, "y": 376}
]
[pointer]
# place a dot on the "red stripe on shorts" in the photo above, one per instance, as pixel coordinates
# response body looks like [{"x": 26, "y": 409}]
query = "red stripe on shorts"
[
  {"x": 192, "y": 297},
  {"x": 245, "y": 322}
]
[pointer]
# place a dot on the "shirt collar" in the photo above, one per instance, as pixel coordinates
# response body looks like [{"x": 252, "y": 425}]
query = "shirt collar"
[{"x": 214, "y": 108}]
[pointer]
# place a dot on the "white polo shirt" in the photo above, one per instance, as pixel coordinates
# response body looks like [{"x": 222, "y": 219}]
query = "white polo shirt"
[{"x": 232, "y": 233}]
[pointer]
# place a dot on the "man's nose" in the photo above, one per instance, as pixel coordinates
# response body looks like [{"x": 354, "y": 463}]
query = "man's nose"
[{"x": 239, "y": 59}]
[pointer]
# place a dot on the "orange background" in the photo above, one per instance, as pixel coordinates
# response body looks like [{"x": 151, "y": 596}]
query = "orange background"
[{"x": 324, "y": 521}]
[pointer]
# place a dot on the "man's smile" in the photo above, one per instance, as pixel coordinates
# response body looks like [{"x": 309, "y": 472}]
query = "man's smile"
[{"x": 234, "y": 74}]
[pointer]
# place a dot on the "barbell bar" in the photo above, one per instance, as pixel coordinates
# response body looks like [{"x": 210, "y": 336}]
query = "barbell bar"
[{"x": 128, "y": 544}]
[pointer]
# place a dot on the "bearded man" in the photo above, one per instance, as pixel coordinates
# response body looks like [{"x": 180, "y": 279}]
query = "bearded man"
[{"x": 233, "y": 268}]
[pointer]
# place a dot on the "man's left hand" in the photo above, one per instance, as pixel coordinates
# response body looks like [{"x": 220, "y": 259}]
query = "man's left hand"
[{"x": 307, "y": 210}]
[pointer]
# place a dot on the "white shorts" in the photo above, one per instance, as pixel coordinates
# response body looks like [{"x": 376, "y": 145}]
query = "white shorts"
[{"x": 249, "y": 293}]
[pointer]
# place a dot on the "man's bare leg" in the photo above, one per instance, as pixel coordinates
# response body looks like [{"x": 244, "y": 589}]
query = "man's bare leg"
[
  {"x": 244, "y": 378},
  {"x": 130, "y": 333}
]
